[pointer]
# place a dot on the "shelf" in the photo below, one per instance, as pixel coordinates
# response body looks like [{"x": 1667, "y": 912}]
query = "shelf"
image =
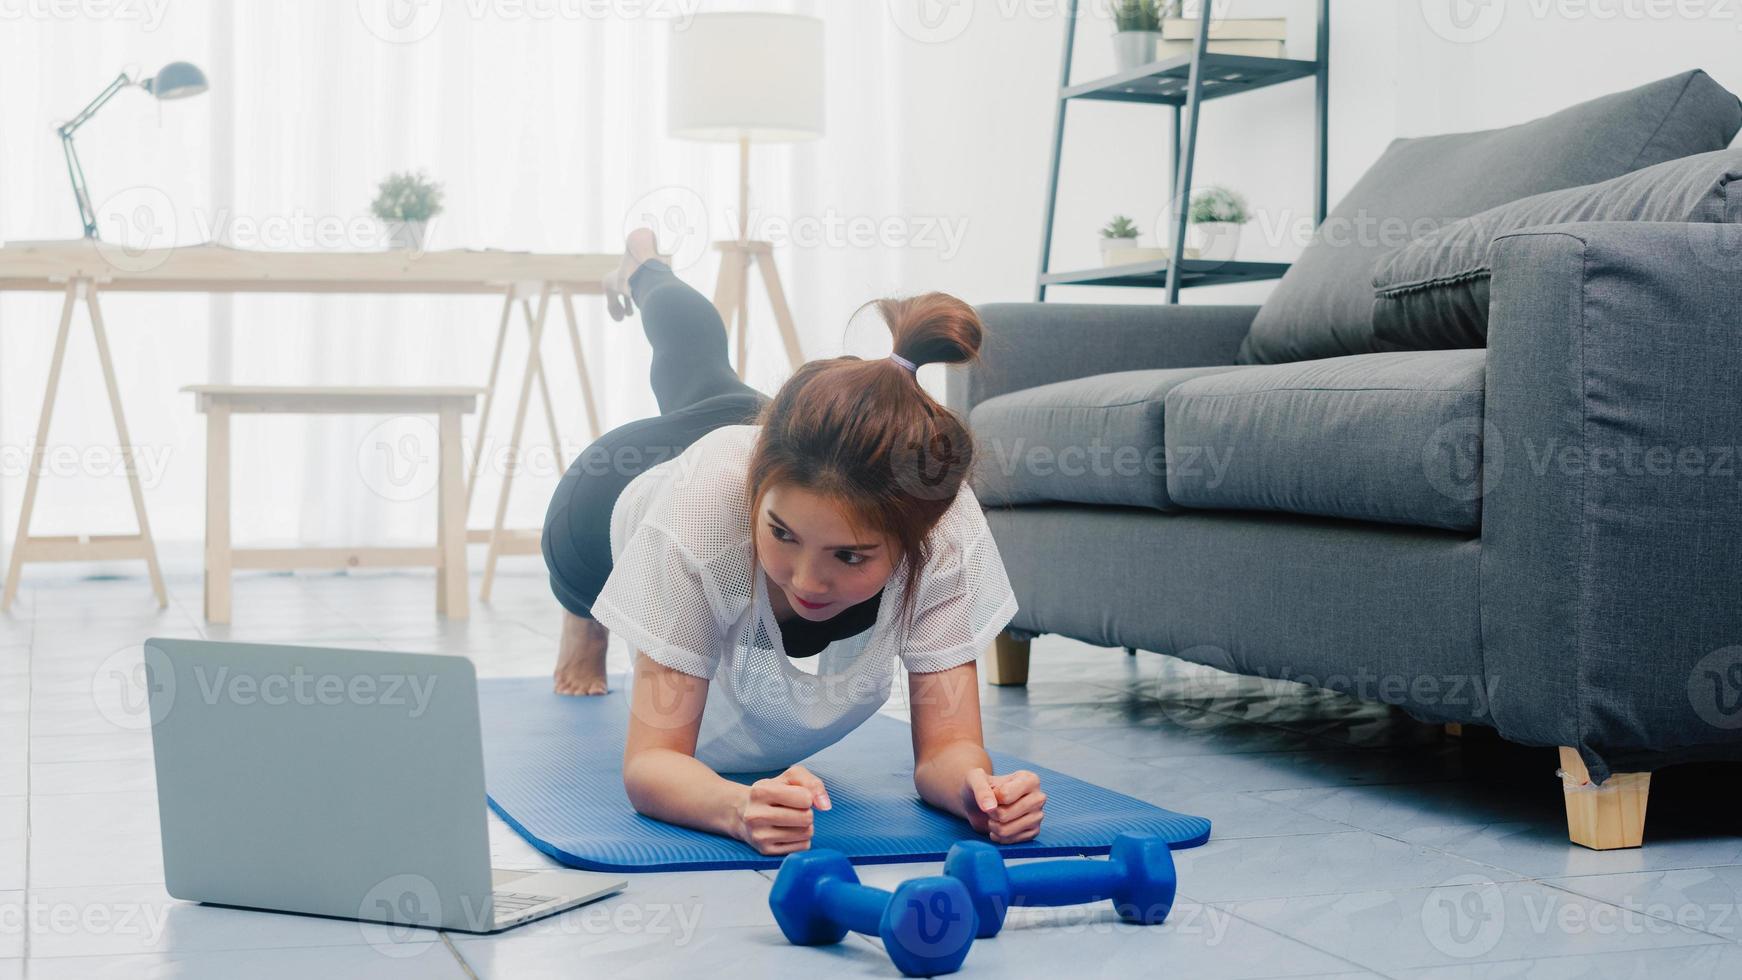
[
  {"x": 1167, "y": 82},
  {"x": 1153, "y": 275}
]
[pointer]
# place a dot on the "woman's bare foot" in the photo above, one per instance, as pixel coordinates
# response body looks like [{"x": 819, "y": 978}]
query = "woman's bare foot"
[
  {"x": 580, "y": 657},
  {"x": 638, "y": 247}
]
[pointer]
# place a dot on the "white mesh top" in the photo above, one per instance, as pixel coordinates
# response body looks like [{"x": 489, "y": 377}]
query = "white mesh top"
[{"x": 680, "y": 590}]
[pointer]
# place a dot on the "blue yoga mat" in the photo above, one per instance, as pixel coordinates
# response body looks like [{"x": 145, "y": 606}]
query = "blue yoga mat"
[{"x": 553, "y": 769}]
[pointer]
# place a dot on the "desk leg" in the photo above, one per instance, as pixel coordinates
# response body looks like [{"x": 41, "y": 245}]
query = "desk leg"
[
  {"x": 40, "y": 448},
  {"x": 451, "y": 521},
  {"x": 133, "y": 486},
  {"x": 782, "y": 312},
  {"x": 743, "y": 270},
  {"x": 489, "y": 396},
  {"x": 729, "y": 292},
  {"x": 217, "y": 599},
  {"x": 512, "y": 457},
  {"x": 581, "y": 366},
  {"x": 556, "y": 438}
]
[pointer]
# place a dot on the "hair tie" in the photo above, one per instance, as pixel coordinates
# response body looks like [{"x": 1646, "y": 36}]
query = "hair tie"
[{"x": 904, "y": 362}]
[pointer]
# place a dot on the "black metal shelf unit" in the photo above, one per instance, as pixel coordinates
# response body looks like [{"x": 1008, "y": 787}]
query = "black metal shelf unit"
[{"x": 1184, "y": 83}]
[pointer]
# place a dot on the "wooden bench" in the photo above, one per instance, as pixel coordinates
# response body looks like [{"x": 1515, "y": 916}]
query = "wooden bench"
[{"x": 447, "y": 404}]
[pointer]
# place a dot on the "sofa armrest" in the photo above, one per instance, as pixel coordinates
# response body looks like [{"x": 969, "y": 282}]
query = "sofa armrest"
[
  {"x": 1029, "y": 344},
  {"x": 1612, "y": 506}
]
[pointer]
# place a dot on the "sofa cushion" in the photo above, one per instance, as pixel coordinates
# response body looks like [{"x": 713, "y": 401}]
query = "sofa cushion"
[
  {"x": 1392, "y": 437},
  {"x": 1432, "y": 294},
  {"x": 1323, "y": 305},
  {"x": 1094, "y": 440}
]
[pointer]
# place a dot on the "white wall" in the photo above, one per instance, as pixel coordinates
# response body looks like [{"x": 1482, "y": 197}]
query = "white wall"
[
  {"x": 979, "y": 117},
  {"x": 940, "y": 124}
]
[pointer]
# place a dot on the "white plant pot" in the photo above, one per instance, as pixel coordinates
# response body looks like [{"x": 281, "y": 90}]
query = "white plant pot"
[
  {"x": 407, "y": 234},
  {"x": 1111, "y": 245},
  {"x": 1216, "y": 241},
  {"x": 1134, "y": 48}
]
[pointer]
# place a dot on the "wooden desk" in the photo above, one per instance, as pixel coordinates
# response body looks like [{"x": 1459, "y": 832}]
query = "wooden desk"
[{"x": 80, "y": 269}]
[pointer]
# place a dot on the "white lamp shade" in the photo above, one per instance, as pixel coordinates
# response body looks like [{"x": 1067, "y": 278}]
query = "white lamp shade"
[{"x": 755, "y": 75}]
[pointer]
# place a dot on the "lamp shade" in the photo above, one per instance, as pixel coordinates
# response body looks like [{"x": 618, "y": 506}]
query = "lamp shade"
[
  {"x": 746, "y": 75},
  {"x": 176, "y": 80}
]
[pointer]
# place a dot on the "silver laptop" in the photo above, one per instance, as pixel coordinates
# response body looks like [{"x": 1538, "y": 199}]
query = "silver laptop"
[{"x": 344, "y": 783}]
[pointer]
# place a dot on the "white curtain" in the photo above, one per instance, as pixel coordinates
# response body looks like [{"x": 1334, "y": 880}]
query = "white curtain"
[{"x": 545, "y": 122}]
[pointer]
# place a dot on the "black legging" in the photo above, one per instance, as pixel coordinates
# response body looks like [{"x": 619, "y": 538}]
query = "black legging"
[{"x": 697, "y": 391}]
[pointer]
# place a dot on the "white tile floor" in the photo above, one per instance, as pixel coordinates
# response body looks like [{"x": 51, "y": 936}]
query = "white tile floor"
[{"x": 1349, "y": 840}]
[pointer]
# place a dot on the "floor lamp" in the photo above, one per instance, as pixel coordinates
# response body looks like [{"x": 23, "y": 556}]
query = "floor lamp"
[{"x": 747, "y": 78}]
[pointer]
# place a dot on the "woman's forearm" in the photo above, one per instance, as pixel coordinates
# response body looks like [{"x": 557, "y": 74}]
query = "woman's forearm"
[
  {"x": 680, "y": 789},
  {"x": 941, "y": 777}
]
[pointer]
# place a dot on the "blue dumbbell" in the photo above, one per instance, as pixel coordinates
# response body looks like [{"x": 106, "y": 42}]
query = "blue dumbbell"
[
  {"x": 1138, "y": 876},
  {"x": 926, "y": 924}
]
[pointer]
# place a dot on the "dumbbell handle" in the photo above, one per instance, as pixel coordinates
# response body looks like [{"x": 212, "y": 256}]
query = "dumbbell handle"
[
  {"x": 1069, "y": 881},
  {"x": 858, "y": 907}
]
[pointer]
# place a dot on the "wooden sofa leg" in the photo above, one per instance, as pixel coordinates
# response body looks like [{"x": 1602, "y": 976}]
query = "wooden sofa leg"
[
  {"x": 1603, "y": 817},
  {"x": 1007, "y": 661}
]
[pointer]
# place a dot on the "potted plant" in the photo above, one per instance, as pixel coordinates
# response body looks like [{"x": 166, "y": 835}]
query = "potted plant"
[
  {"x": 1137, "y": 26},
  {"x": 405, "y": 203},
  {"x": 1120, "y": 233},
  {"x": 1215, "y": 217}
]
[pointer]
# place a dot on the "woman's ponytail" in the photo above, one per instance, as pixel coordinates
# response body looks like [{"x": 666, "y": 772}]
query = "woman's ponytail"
[{"x": 933, "y": 328}]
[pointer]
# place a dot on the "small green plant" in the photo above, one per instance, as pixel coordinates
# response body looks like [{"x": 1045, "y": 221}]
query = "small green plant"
[
  {"x": 1137, "y": 15},
  {"x": 407, "y": 197},
  {"x": 1217, "y": 204},
  {"x": 1120, "y": 227}
]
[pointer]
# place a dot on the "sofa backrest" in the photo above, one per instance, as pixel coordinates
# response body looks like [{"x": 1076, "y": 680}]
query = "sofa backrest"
[{"x": 1323, "y": 305}]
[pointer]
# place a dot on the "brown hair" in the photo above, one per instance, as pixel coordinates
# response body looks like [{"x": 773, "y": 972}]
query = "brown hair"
[{"x": 865, "y": 433}]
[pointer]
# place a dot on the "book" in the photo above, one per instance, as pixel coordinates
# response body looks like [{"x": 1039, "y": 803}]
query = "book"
[
  {"x": 1251, "y": 49},
  {"x": 1229, "y": 29}
]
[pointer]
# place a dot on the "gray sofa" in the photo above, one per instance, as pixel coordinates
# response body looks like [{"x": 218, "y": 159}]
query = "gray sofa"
[{"x": 1542, "y": 535}]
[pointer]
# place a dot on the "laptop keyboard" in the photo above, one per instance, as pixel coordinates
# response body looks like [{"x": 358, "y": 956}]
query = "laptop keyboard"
[{"x": 510, "y": 903}]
